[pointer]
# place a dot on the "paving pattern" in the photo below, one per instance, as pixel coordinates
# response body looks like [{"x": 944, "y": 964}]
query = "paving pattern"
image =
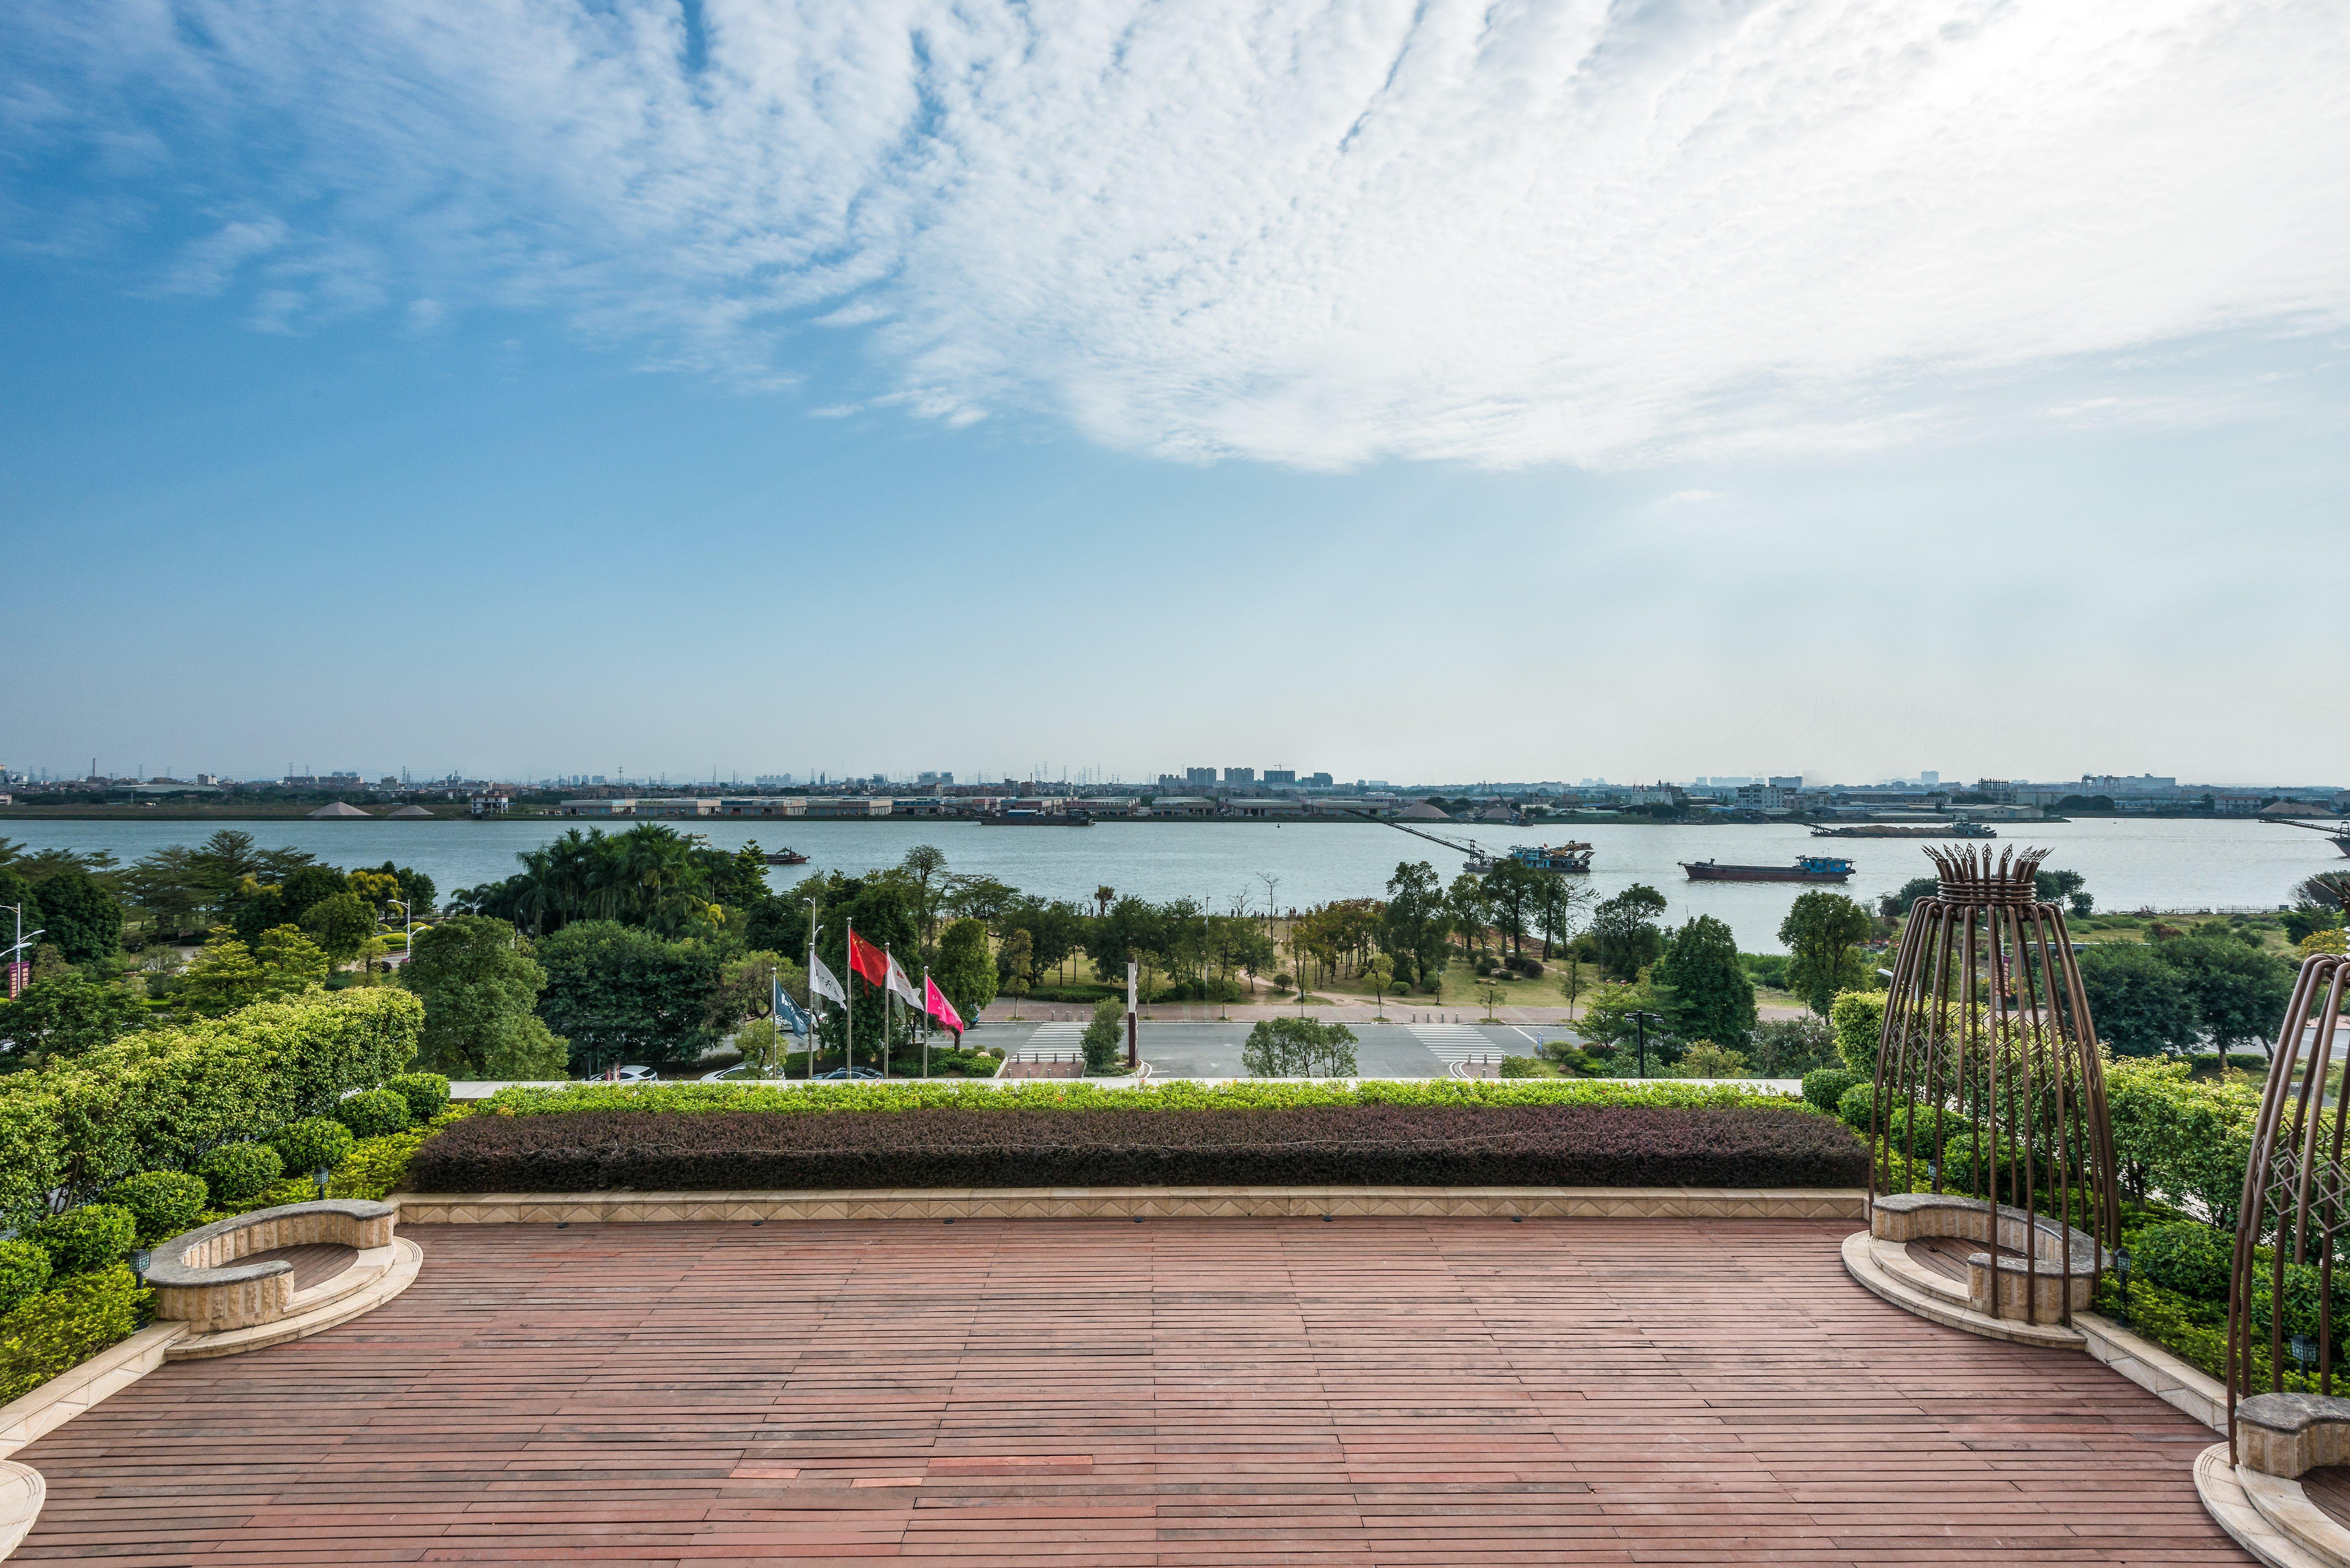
[{"x": 1196, "y": 1392}]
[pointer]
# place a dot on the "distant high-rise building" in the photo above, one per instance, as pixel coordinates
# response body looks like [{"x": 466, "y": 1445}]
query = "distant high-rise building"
[
  {"x": 1317, "y": 781},
  {"x": 1930, "y": 778},
  {"x": 1240, "y": 775},
  {"x": 1281, "y": 776},
  {"x": 1199, "y": 775},
  {"x": 1784, "y": 783}
]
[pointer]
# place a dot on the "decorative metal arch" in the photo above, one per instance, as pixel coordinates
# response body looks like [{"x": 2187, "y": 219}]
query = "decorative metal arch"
[
  {"x": 1989, "y": 1044},
  {"x": 2297, "y": 1194}
]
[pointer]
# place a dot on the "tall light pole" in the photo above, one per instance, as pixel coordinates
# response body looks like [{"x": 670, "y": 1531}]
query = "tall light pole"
[
  {"x": 408, "y": 933},
  {"x": 16, "y": 964}
]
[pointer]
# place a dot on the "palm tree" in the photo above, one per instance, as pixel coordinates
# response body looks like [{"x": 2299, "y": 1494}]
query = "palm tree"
[{"x": 1102, "y": 895}]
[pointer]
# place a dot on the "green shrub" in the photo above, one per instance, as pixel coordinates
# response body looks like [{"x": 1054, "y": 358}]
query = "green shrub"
[
  {"x": 2192, "y": 1259},
  {"x": 158, "y": 1099},
  {"x": 86, "y": 1238},
  {"x": 427, "y": 1094},
  {"x": 1826, "y": 1087},
  {"x": 377, "y": 1165},
  {"x": 1179, "y": 1095},
  {"x": 239, "y": 1173},
  {"x": 1528, "y": 1067},
  {"x": 164, "y": 1203},
  {"x": 1858, "y": 1019},
  {"x": 1855, "y": 1106},
  {"x": 314, "y": 1143},
  {"x": 374, "y": 1113},
  {"x": 59, "y": 1328},
  {"x": 25, "y": 1269}
]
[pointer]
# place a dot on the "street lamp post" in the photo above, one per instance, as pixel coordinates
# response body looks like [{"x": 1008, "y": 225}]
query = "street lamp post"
[
  {"x": 18, "y": 947},
  {"x": 408, "y": 930},
  {"x": 1640, "y": 1037}
]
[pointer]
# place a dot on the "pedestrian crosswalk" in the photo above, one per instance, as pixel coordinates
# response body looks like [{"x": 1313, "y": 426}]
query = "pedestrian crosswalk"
[
  {"x": 1052, "y": 1043},
  {"x": 1451, "y": 1043}
]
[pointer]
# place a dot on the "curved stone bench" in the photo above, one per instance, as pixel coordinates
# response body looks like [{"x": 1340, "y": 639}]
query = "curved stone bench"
[
  {"x": 198, "y": 1280},
  {"x": 1905, "y": 1217}
]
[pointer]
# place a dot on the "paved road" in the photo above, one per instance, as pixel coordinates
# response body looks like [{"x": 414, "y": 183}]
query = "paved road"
[{"x": 1213, "y": 1050}]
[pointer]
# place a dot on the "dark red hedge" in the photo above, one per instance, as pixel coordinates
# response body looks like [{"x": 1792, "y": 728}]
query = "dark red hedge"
[{"x": 1422, "y": 1146}]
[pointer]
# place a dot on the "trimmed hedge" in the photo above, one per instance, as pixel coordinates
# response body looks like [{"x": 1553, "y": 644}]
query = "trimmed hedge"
[
  {"x": 239, "y": 1173},
  {"x": 374, "y": 1113},
  {"x": 869, "y": 1095},
  {"x": 25, "y": 1269},
  {"x": 165, "y": 1203},
  {"x": 86, "y": 1238},
  {"x": 1826, "y": 1087},
  {"x": 427, "y": 1094},
  {"x": 1561, "y": 1145},
  {"x": 313, "y": 1143},
  {"x": 160, "y": 1099},
  {"x": 62, "y": 1327}
]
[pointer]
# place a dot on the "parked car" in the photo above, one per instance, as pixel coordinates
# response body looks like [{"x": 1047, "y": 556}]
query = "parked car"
[
  {"x": 850, "y": 1073},
  {"x": 740, "y": 1070},
  {"x": 628, "y": 1075}
]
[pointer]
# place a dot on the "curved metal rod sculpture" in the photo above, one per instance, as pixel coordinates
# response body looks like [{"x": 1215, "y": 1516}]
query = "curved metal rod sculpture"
[
  {"x": 2296, "y": 1193},
  {"x": 1989, "y": 1045}
]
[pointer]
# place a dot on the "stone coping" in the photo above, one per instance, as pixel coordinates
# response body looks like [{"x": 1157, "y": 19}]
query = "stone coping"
[
  {"x": 2290, "y": 1433},
  {"x": 2232, "y": 1504},
  {"x": 1137, "y": 1202},
  {"x": 81, "y": 1385},
  {"x": 22, "y": 1492},
  {"x": 168, "y": 1267},
  {"x": 373, "y": 1278},
  {"x": 1880, "y": 1267}
]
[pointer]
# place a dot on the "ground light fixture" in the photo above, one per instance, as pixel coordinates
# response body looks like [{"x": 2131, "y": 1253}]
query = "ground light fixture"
[
  {"x": 321, "y": 1176},
  {"x": 2304, "y": 1351}
]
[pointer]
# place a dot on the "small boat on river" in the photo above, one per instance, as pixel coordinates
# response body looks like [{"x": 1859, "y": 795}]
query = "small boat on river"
[{"x": 784, "y": 858}]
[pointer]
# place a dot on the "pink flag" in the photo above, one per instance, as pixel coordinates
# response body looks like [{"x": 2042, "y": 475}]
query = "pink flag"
[{"x": 936, "y": 1004}]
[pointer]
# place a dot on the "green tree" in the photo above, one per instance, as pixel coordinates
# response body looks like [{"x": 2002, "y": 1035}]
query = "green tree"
[
  {"x": 1510, "y": 890},
  {"x": 924, "y": 862},
  {"x": 65, "y": 1017},
  {"x": 1133, "y": 929},
  {"x": 1703, "y": 987},
  {"x": 1625, "y": 928},
  {"x": 223, "y": 978},
  {"x": 1558, "y": 906},
  {"x": 1017, "y": 964},
  {"x": 966, "y": 970},
  {"x": 1105, "y": 1037},
  {"x": 1471, "y": 912},
  {"x": 342, "y": 924},
  {"x": 171, "y": 887},
  {"x": 1822, "y": 932},
  {"x": 2055, "y": 887},
  {"x": 619, "y": 993},
  {"x": 2141, "y": 1006},
  {"x": 1791, "y": 1047},
  {"x": 1299, "y": 1048},
  {"x": 81, "y": 917},
  {"x": 1706, "y": 1059},
  {"x": 480, "y": 984},
  {"x": 1415, "y": 926},
  {"x": 2240, "y": 993},
  {"x": 290, "y": 961},
  {"x": 1892, "y": 906}
]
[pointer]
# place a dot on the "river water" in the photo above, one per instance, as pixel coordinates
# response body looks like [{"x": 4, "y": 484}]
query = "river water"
[{"x": 2164, "y": 864}]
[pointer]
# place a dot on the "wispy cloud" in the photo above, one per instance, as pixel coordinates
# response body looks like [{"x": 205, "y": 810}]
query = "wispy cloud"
[{"x": 1582, "y": 229}]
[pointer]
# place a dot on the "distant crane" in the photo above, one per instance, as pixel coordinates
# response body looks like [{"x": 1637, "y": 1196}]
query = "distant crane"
[{"x": 2339, "y": 832}]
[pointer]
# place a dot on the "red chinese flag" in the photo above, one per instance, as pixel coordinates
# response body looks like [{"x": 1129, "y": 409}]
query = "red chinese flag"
[{"x": 868, "y": 960}]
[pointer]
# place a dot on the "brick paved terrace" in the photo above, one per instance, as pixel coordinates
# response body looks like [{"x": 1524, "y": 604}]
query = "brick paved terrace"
[{"x": 1079, "y": 1392}]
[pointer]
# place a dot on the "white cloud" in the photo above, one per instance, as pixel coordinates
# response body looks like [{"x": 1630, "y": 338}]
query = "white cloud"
[{"x": 1502, "y": 231}]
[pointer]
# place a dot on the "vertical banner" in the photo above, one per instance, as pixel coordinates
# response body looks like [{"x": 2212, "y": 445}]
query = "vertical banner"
[{"x": 20, "y": 975}]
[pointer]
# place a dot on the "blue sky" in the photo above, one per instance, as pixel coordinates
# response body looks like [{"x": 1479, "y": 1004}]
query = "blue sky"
[{"x": 1435, "y": 392}]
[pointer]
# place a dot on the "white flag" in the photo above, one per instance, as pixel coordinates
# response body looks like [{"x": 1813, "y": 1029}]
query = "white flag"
[
  {"x": 821, "y": 983},
  {"x": 902, "y": 986}
]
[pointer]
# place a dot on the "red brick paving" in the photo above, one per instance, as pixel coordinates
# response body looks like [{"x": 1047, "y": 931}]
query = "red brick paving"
[{"x": 1080, "y": 1392}]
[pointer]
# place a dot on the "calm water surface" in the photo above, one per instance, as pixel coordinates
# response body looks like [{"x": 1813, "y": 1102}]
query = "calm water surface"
[{"x": 2164, "y": 864}]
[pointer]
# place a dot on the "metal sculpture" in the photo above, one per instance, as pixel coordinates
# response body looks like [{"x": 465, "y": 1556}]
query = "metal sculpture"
[
  {"x": 1989, "y": 1099},
  {"x": 2296, "y": 1199}
]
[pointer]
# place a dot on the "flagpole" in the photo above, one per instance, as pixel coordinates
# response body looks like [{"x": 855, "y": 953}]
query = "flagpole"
[
  {"x": 888, "y": 1012},
  {"x": 849, "y": 1008},
  {"x": 813, "y": 1001},
  {"x": 926, "y": 1020}
]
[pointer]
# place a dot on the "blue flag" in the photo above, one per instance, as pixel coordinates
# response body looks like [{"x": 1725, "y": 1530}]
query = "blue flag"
[{"x": 787, "y": 1011}]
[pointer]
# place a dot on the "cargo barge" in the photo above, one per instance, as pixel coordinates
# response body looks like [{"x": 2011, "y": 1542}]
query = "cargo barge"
[
  {"x": 1806, "y": 868},
  {"x": 1560, "y": 858},
  {"x": 1036, "y": 819},
  {"x": 1962, "y": 828}
]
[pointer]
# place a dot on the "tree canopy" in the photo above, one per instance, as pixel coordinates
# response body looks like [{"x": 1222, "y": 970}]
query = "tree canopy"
[
  {"x": 1626, "y": 928},
  {"x": 480, "y": 984},
  {"x": 1701, "y": 987},
  {"x": 1822, "y": 932}
]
